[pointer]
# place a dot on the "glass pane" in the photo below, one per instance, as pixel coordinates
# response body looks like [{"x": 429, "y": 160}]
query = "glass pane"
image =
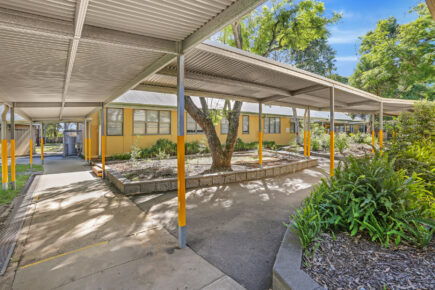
[
  {"x": 277, "y": 125},
  {"x": 165, "y": 117},
  {"x": 139, "y": 115},
  {"x": 271, "y": 125},
  {"x": 224, "y": 126},
  {"x": 114, "y": 129},
  {"x": 266, "y": 125},
  {"x": 164, "y": 128},
  {"x": 139, "y": 128},
  {"x": 245, "y": 124},
  {"x": 152, "y": 116},
  {"x": 152, "y": 128},
  {"x": 114, "y": 115},
  {"x": 190, "y": 124}
]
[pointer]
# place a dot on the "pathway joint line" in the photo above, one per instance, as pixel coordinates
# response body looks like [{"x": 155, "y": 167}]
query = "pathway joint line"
[{"x": 63, "y": 254}]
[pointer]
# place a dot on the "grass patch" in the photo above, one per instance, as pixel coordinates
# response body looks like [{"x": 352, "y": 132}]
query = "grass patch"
[
  {"x": 50, "y": 147},
  {"x": 6, "y": 196}
]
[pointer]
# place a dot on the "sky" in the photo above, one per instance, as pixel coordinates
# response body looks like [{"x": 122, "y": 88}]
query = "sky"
[{"x": 359, "y": 17}]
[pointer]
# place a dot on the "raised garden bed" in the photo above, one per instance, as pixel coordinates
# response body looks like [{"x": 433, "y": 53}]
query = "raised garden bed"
[{"x": 148, "y": 176}]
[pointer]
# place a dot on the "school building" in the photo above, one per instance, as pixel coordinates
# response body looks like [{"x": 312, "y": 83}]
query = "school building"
[{"x": 141, "y": 118}]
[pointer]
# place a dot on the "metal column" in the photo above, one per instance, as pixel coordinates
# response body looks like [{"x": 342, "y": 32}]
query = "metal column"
[
  {"x": 13, "y": 180},
  {"x": 85, "y": 143},
  {"x": 381, "y": 126},
  {"x": 89, "y": 142},
  {"x": 305, "y": 133},
  {"x": 331, "y": 131},
  {"x": 31, "y": 144},
  {"x": 309, "y": 133},
  {"x": 373, "y": 133},
  {"x": 103, "y": 140},
  {"x": 4, "y": 143},
  {"x": 180, "y": 154},
  {"x": 42, "y": 142},
  {"x": 260, "y": 135}
]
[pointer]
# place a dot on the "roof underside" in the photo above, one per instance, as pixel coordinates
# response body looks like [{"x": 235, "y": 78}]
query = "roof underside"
[
  {"x": 214, "y": 70},
  {"x": 95, "y": 50},
  {"x": 79, "y": 51}
]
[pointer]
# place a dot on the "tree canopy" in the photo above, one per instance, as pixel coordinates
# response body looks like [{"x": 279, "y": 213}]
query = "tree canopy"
[{"x": 397, "y": 60}]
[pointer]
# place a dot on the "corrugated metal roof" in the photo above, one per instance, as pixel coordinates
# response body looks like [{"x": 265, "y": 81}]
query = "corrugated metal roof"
[
  {"x": 217, "y": 69},
  {"x": 170, "y": 100}
]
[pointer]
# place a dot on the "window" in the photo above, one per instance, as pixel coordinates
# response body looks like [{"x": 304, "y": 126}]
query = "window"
[
  {"x": 292, "y": 127},
  {"x": 351, "y": 128},
  {"x": 272, "y": 125},
  {"x": 115, "y": 122},
  {"x": 192, "y": 127},
  {"x": 149, "y": 122},
  {"x": 224, "y": 126},
  {"x": 245, "y": 125}
]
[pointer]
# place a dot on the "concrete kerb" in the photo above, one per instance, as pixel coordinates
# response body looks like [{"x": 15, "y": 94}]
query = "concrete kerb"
[
  {"x": 287, "y": 273},
  {"x": 129, "y": 187}
]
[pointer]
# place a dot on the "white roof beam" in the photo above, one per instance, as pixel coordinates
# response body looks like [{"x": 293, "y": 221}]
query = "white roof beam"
[
  {"x": 237, "y": 10},
  {"x": 57, "y": 104},
  {"x": 81, "y": 9},
  {"x": 294, "y": 93}
]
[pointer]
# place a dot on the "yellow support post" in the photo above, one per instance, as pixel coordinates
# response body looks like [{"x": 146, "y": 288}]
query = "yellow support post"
[
  {"x": 4, "y": 164},
  {"x": 42, "y": 143},
  {"x": 31, "y": 145},
  {"x": 89, "y": 142},
  {"x": 85, "y": 143},
  {"x": 4, "y": 144},
  {"x": 13, "y": 181},
  {"x": 305, "y": 133},
  {"x": 381, "y": 127},
  {"x": 309, "y": 134},
  {"x": 373, "y": 133},
  {"x": 260, "y": 135},
  {"x": 181, "y": 178},
  {"x": 331, "y": 132}
]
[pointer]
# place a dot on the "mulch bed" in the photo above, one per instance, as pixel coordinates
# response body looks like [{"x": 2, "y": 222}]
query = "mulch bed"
[{"x": 356, "y": 263}]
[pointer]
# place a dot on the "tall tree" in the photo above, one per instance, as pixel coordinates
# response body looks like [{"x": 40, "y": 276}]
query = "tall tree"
[
  {"x": 397, "y": 61},
  {"x": 283, "y": 32}
]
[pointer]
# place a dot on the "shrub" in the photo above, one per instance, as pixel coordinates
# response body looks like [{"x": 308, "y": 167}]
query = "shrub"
[
  {"x": 368, "y": 197},
  {"x": 161, "y": 149},
  {"x": 122, "y": 156},
  {"x": 196, "y": 147},
  {"x": 341, "y": 142},
  {"x": 361, "y": 138}
]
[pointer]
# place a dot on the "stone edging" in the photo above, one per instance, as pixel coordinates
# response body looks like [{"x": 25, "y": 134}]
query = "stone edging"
[
  {"x": 287, "y": 273},
  {"x": 129, "y": 187}
]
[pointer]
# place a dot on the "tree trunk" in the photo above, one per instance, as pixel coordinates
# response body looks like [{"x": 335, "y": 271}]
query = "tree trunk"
[
  {"x": 221, "y": 156},
  {"x": 296, "y": 121}
]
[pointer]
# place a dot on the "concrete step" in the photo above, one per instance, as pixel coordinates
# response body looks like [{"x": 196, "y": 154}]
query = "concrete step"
[{"x": 97, "y": 170}]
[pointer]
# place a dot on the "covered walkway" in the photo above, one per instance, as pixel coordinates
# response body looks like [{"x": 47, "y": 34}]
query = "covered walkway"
[{"x": 81, "y": 235}]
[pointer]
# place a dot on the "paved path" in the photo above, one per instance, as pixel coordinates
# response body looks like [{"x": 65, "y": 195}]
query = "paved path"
[
  {"x": 83, "y": 236},
  {"x": 237, "y": 228}
]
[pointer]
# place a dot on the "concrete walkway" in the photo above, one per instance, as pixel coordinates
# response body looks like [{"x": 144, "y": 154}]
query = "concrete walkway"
[
  {"x": 83, "y": 236},
  {"x": 238, "y": 228}
]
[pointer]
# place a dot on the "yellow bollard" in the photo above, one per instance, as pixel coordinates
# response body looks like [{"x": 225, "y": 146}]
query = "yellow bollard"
[
  {"x": 373, "y": 141},
  {"x": 181, "y": 182},
  {"x": 260, "y": 148},
  {"x": 89, "y": 150},
  {"x": 103, "y": 154},
  {"x": 331, "y": 154},
  {"x": 42, "y": 149},
  {"x": 13, "y": 164},
  {"x": 305, "y": 143},
  {"x": 309, "y": 143},
  {"x": 86, "y": 149},
  {"x": 31, "y": 153},
  {"x": 5, "y": 164},
  {"x": 381, "y": 140}
]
